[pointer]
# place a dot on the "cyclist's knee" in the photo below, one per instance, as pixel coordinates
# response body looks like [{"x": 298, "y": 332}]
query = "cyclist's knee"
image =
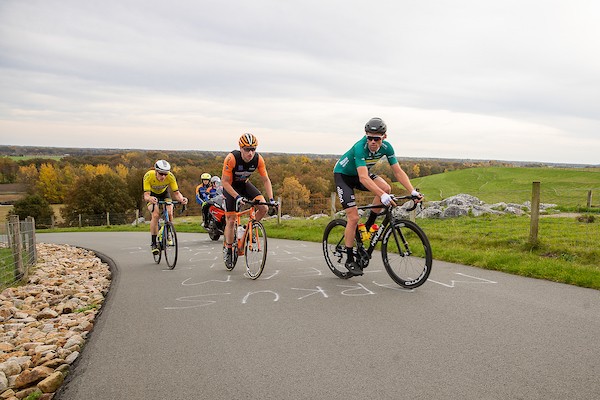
[{"x": 352, "y": 215}]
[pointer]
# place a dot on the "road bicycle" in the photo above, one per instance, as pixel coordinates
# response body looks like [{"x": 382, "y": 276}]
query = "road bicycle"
[
  {"x": 167, "y": 236},
  {"x": 251, "y": 240},
  {"x": 405, "y": 248}
]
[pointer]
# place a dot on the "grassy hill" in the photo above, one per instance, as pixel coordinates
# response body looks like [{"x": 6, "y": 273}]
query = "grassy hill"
[{"x": 565, "y": 187}]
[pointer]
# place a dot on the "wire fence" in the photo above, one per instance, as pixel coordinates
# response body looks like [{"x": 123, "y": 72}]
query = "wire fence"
[{"x": 17, "y": 250}]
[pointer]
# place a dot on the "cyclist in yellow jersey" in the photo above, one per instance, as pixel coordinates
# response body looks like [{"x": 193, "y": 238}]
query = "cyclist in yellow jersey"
[{"x": 156, "y": 182}]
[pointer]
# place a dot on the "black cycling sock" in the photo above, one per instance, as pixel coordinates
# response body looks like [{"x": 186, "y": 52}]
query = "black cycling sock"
[
  {"x": 371, "y": 219},
  {"x": 153, "y": 239},
  {"x": 350, "y": 254}
]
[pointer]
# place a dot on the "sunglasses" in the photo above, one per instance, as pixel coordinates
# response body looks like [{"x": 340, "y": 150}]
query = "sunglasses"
[
  {"x": 249, "y": 149},
  {"x": 162, "y": 173},
  {"x": 374, "y": 138}
]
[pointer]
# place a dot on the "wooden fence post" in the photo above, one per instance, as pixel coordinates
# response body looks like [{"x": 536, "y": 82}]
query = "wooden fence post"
[
  {"x": 31, "y": 240},
  {"x": 80, "y": 220},
  {"x": 332, "y": 205},
  {"x": 137, "y": 216},
  {"x": 589, "y": 199},
  {"x": 107, "y": 218},
  {"x": 535, "y": 213}
]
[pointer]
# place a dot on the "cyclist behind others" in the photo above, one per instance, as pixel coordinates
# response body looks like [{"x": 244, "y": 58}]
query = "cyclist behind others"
[
  {"x": 156, "y": 182},
  {"x": 352, "y": 171},
  {"x": 237, "y": 168},
  {"x": 215, "y": 196},
  {"x": 203, "y": 188}
]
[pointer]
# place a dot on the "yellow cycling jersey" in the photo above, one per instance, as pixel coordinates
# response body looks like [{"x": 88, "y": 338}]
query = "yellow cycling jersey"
[{"x": 152, "y": 184}]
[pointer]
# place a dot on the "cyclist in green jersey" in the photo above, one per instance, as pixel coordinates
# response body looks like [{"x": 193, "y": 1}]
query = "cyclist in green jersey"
[{"x": 352, "y": 171}]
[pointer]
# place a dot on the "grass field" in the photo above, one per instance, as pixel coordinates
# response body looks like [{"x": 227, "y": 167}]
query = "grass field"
[
  {"x": 565, "y": 187},
  {"x": 567, "y": 250},
  {"x": 20, "y": 158}
]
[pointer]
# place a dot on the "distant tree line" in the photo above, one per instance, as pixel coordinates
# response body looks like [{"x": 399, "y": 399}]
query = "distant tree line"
[{"x": 92, "y": 183}]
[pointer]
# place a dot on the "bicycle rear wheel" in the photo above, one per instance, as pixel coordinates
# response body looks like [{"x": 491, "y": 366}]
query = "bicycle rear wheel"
[
  {"x": 255, "y": 250},
  {"x": 406, "y": 254},
  {"x": 334, "y": 248},
  {"x": 169, "y": 244}
]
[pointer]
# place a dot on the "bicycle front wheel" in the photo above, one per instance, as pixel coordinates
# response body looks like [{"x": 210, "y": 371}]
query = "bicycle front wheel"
[
  {"x": 158, "y": 255},
  {"x": 334, "y": 248},
  {"x": 170, "y": 245},
  {"x": 255, "y": 250},
  {"x": 406, "y": 254}
]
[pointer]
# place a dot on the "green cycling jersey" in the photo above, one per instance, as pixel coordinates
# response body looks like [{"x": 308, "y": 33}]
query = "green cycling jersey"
[{"x": 360, "y": 156}]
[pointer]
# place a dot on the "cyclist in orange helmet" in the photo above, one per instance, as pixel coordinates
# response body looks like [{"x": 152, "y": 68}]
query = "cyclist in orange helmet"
[{"x": 237, "y": 168}]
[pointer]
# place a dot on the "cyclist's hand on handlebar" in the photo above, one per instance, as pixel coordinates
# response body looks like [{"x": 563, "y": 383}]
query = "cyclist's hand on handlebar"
[
  {"x": 418, "y": 196},
  {"x": 274, "y": 203},
  {"x": 386, "y": 199},
  {"x": 153, "y": 200},
  {"x": 184, "y": 201},
  {"x": 239, "y": 202}
]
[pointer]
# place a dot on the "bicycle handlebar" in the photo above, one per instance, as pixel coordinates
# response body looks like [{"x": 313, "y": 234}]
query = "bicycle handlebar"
[
  {"x": 261, "y": 203},
  {"x": 174, "y": 202},
  {"x": 408, "y": 197}
]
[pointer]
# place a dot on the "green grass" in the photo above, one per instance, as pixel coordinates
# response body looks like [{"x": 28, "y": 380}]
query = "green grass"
[
  {"x": 566, "y": 250},
  {"x": 7, "y": 274},
  {"x": 44, "y": 157},
  {"x": 565, "y": 187}
]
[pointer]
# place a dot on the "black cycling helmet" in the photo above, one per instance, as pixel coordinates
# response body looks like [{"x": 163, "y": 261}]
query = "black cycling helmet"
[{"x": 375, "y": 125}]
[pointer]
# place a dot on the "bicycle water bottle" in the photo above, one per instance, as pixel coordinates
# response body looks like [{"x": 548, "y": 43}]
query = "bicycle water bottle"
[
  {"x": 362, "y": 231},
  {"x": 160, "y": 233},
  {"x": 240, "y": 234},
  {"x": 374, "y": 228}
]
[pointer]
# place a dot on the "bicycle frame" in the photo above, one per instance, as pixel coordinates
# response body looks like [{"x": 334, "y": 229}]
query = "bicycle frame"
[
  {"x": 253, "y": 243},
  {"x": 365, "y": 252},
  {"x": 251, "y": 212}
]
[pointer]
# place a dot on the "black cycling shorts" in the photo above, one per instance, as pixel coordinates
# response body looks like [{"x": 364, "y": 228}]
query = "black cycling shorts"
[
  {"x": 245, "y": 189},
  {"x": 345, "y": 185}
]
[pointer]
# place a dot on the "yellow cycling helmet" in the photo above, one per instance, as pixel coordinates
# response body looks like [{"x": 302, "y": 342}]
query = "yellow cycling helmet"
[
  {"x": 204, "y": 176},
  {"x": 248, "y": 140}
]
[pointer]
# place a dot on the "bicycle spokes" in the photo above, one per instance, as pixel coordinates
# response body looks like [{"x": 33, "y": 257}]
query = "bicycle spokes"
[
  {"x": 255, "y": 250},
  {"x": 406, "y": 254}
]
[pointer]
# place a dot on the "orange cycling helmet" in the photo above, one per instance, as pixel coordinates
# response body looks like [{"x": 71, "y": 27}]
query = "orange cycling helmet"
[{"x": 248, "y": 140}]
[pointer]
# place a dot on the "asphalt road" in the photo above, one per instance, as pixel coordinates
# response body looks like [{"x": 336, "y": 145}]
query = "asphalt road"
[{"x": 299, "y": 332}]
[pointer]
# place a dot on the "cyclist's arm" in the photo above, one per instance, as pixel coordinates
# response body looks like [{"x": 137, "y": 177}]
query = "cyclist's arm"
[
  {"x": 365, "y": 179},
  {"x": 264, "y": 176},
  {"x": 227, "y": 175},
  {"x": 402, "y": 177},
  {"x": 180, "y": 197},
  {"x": 267, "y": 184},
  {"x": 149, "y": 198}
]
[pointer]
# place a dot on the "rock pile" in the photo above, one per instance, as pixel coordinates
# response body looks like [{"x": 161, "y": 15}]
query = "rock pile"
[
  {"x": 44, "y": 323},
  {"x": 465, "y": 204}
]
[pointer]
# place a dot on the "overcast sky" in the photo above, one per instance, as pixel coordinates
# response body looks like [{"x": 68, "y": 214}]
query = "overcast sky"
[{"x": 507, "y": 80}]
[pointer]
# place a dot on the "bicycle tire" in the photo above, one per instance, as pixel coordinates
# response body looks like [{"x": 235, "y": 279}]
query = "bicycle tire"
[
  {"x": 170, "y": 246},
  {"x": 234, "y": 251},
  {"x": 334, "y": 248},
  {"x": 255, "y": 250},
  {"x": 411, "y": 266},
  {"x": 158, "y": 256}
]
